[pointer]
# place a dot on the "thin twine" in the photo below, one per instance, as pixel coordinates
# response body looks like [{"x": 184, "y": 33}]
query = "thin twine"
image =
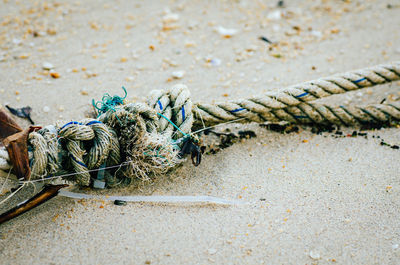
[
  {"x": 201, "y": 117},
  {"x": 109, "y": 103},
  {"x": 12, "y": 194},
  {"x": 173, "y": 124},
  {"x": 218, "y": 125},
  {"x": 76, "y": 173}
]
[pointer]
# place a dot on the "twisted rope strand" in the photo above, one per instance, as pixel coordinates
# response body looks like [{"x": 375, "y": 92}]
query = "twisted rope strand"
[
  {"x": 259, "y": 109},
  {"x": 145, "y": 136}
]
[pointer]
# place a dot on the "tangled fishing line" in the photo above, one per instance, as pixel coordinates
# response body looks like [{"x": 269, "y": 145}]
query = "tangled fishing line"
[{"x": 141, "y": 140}]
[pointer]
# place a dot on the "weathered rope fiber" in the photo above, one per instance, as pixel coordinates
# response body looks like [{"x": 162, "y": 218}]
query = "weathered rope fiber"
[
  {"x": 261, "y": 109},
  {"x": 312, "y": 113},
  {"x": 147, "y": 138}
]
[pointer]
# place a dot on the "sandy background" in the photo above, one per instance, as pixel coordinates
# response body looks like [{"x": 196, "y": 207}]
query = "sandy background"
[{"x": 326, "y": 200}]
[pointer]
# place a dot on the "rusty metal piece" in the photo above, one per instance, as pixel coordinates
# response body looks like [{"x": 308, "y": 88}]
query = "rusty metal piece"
[
  {"x": 48, "y": 192},
  {"x": 17, "y": 147}
]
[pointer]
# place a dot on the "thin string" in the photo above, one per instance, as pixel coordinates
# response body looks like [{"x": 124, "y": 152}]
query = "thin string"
[
  {"x": 12, "y": 194},
  {"x": 79, "y": 172},
  {"x": 173, "y": 124},
  {"x": 218, "y": 125},
  {"x": 201, "y": 117},
  {"x": 152, "y": 198}
]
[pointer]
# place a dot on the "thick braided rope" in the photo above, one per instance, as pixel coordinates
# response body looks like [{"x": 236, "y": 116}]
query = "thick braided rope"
[
  {"x": 313, "y": 113},
  {"x": 255, "y": 109},
  {"x": 136, "y": 124},
  {"x": 143, "y": 130},
  {"x": 145, "y": 148},
  {"x": 102, "y": 143},
  {"x": 176, "y": 105}
]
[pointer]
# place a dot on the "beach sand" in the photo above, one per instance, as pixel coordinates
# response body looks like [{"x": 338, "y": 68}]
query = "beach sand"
[{"x": 309, "y": 198}]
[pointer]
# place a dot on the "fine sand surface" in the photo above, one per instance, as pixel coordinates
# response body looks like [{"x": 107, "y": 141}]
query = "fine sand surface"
[{"x": 311, "y": 199}]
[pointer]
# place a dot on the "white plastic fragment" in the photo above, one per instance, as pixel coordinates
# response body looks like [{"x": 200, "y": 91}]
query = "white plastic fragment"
[
  {"x": 157, "y": 199},
  {"x": 46, "y": 109}
]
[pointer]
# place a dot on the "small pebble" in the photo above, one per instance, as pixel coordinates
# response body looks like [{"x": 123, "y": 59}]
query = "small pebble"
[
  {"x": 47, "y": 66},
  {"x": 316, "y": 33},
  {"x": 170, "y": 17},
  {"x": 24, "y": 56},
  {"x": 120, "y": 202},
  {"x": 55, "y": 75},
  {"x": 46, "y": 109},
  {"x": 226, "y": 33},
  {"x": 281, "y": 3},
  {"x": 275, "y": 15},
  {"x": 178, "y": 74},
  {"x": 215, "y": 62}
]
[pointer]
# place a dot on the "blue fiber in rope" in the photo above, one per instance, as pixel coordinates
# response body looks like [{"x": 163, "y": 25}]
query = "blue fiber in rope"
[
  {"x": 173, "y": 124},
  {"x": 183, "y": 113},
  {"x": 93, "y": 122},
  {"x": 80, "y": 163},
  {"x": 300, "y": 116},
  {"x": 302, "y": 95},
  {"x": 160, "y": 105},
  {"x": 236, "y": 110},
  {"x": 359, "y": 80},
  {"x": 69, "y": 123}
]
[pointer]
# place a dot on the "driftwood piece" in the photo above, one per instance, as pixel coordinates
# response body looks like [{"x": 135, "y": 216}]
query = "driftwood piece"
[{"x": 48, "y": 192}]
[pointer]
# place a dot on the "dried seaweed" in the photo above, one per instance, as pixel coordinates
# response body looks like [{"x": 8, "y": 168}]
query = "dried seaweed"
[{"x": 24, "y": 112}]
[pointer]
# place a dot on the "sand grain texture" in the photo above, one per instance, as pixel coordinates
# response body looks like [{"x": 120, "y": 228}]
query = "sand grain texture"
[{"x": 322, "y": 200}]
